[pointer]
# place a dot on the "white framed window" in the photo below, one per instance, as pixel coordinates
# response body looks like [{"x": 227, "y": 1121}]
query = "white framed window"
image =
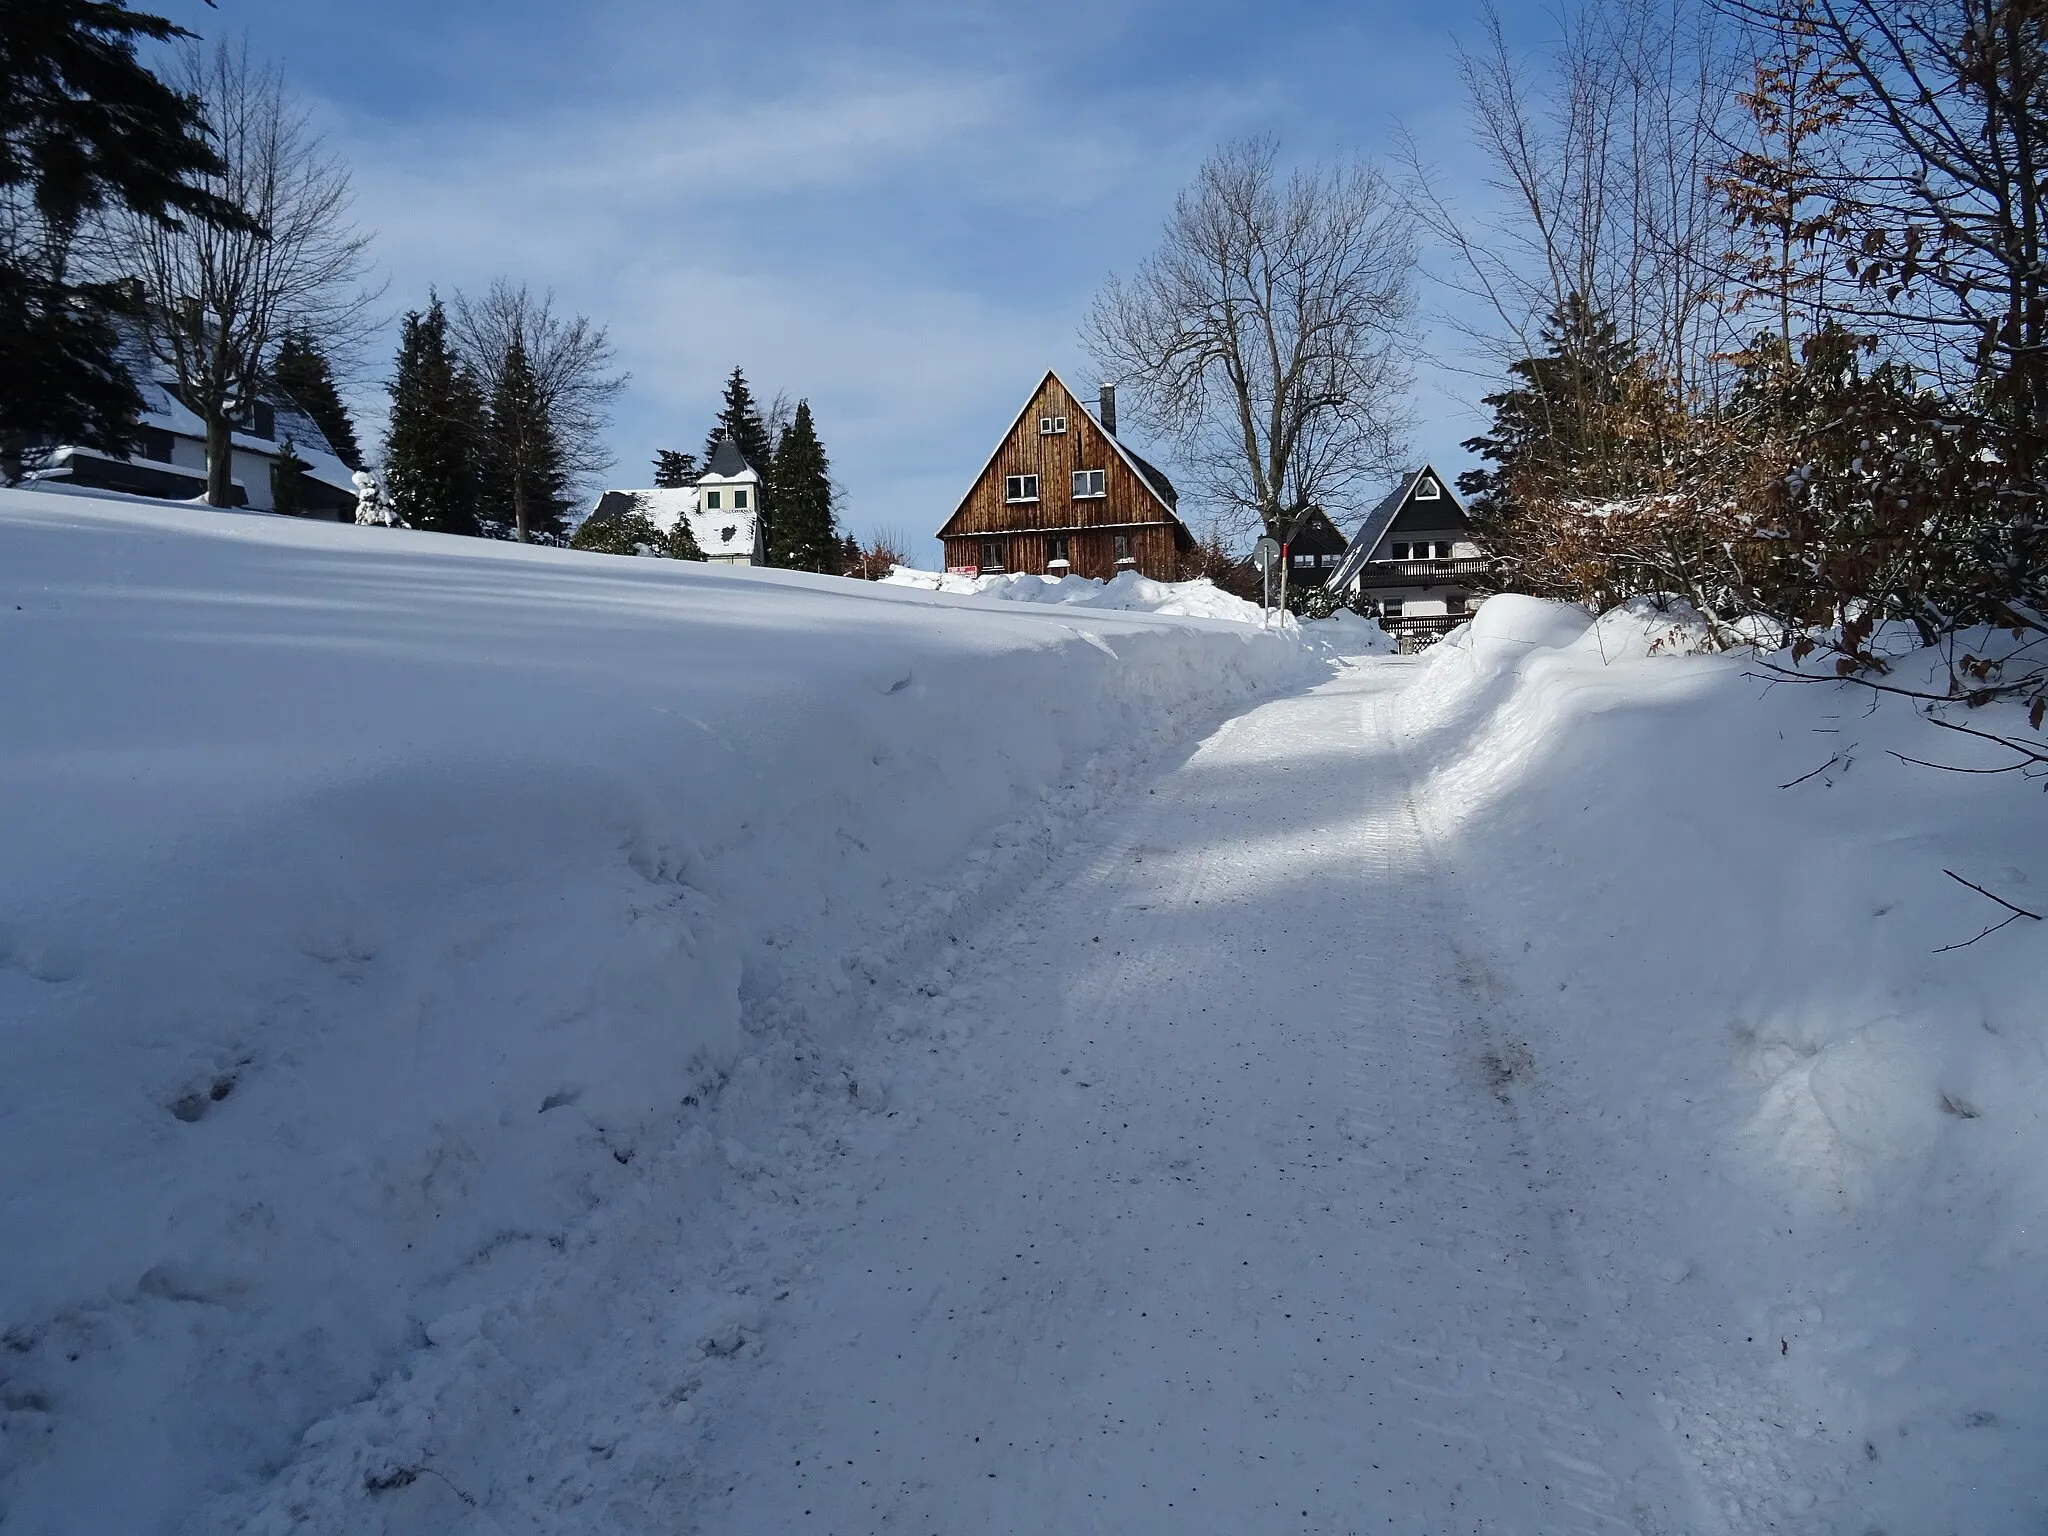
[
  {"x": 1426, "y": 489},
  {"x": 711, "y": 501},
  {"x": 1397, "y": 552},
  {"x": 1304, "y": 562},
  {"x": 1443, "y": 549},
  {"x": 1051, "y": 426},
  {"x": 1020, "y": 488},
  {"x": 739, "y": 500},
  {"x": 991, "y": 555},
  {"x": 1090, "y": 483}
]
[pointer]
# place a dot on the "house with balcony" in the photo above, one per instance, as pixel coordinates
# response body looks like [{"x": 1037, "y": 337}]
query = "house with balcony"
[
  {"x": 1063, "y": 495},
  {"x": 1415, "y": 560}
]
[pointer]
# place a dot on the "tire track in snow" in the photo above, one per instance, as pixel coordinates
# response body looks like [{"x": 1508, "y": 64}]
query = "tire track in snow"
[{"x": 1227, "y": 1249}]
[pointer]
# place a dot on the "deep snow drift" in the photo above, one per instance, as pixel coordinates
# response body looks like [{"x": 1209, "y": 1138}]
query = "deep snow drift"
[
  {"x": 1809, "y": 1138},
  {"x": 370, "y": 901}
]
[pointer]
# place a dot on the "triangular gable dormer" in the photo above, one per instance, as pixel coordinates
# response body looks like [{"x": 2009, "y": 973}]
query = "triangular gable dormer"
[{"x": 1422, "y": 502}]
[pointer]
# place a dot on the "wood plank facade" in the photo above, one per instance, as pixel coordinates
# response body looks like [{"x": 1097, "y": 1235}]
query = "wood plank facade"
[{"x": 1062, "y": 496}]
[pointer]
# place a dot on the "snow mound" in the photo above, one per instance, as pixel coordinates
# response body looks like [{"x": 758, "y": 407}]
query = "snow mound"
[
  {"x": 1804, "y": 1065},
  {"x": 1126, "y": 593},
  {"x": 373, "y": 903}
]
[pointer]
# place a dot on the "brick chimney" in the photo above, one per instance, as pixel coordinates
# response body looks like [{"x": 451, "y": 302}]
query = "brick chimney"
[{"x": 1107, "y": 409}]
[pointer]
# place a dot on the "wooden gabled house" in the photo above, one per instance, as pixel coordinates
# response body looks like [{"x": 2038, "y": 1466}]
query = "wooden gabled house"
[{"x": 1063, "y": 496}]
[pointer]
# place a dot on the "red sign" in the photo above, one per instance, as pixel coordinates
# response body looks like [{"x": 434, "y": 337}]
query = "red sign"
[{"x": 963, "y": 570}]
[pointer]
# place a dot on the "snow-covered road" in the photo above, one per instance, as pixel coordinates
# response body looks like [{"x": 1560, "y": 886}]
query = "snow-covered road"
[
  {"x": 1189, "y": 1194},
  {"x": 1220, "y": 1219}
]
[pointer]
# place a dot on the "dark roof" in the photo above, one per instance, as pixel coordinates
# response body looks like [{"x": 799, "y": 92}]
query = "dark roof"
[
  {"x": 615, "y": 504},
  {"x": 726, "y": 459},
  {"x": 1154, "y": 477},
  {"x": 1380, "y": 519}
]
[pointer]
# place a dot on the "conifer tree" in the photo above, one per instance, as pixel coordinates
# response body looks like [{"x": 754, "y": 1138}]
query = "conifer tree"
[
  {"x": 1555, "y": 423},
  {"x": 301, "y": 370},
  {"x": 799, "y": 486},
  {"x": 287, "y": 481},
  {"x": 85, "y": 129},
  {"x": 525, "y": 480},
  {"x": 432, "y": 451},
  {"x": 739, "y": 418},
  {"x": 673, "y": 470}
]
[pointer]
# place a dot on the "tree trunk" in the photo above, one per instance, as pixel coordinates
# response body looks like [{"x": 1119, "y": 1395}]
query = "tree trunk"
[
  {"x": 220, "y": 462},
  {"x": 519, "y": 506}
]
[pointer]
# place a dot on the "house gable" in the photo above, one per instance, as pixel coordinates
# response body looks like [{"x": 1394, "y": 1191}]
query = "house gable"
[
  {"x": 1133, "y": 493},
  {"x": 1403, "y": 510}
]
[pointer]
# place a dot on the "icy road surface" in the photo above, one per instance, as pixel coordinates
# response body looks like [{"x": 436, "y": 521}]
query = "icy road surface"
[{"x": 1212, "y": 1211}]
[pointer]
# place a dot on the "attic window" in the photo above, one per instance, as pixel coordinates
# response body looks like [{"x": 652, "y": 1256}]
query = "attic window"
[
  {"x": 739, "y": 500},
  {"x": 711, "y": 501},
  {"x": 1090, "y": 482},
  {"x": 1425, "y": 489},
  {"x": 1020, "y": 488},
  {"x": 1051, "y": 426}
]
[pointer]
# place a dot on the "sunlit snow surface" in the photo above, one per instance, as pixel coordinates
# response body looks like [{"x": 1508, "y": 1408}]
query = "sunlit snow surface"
[{"x": 500, "y": 1039}]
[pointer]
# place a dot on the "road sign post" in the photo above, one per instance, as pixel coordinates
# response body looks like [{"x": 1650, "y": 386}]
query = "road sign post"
[{"x": 1267, "y": 553}]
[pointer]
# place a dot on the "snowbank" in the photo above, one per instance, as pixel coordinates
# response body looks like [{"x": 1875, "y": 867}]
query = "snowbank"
[
  {"x": 1819, "y": 1132},
  {"x": 1127, "y": 593},
  {"x": 371, "y": 901},
  {"x": 1344, "y": 633}
]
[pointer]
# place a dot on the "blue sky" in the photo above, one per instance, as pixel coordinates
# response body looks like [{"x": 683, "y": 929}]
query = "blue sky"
[{"x": 898, "y": 209}]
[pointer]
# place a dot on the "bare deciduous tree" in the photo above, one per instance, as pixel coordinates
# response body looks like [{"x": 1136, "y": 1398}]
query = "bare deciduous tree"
[
  {"x": 217, "y": 296},
  {"x": 1944, "y": 188},
  {"x": 1600, "y": 170},
  {"x": 1265, "y": 332},
  {"x": 571, "y": 358}
]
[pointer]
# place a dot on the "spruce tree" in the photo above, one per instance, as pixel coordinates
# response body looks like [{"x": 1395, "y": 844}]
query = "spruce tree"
[
  {"x": 287, "y": 481},
  {"x": 739, "y": 418},
  {"x": 432, "y": 451},
  {"x": 85, "y": 129},
  {"x": 1556, "y": 423},
  {"x": 799, "y": 485},
  {"x": 525, "y": 480},
  {"x": 673, "y": 470},
  {"x": 301, "y": 370}
]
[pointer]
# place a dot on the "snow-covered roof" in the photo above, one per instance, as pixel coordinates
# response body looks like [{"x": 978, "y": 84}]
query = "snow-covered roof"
[
  {"x": 163, "y": 409},
  {"x": 722, "y": 532}
]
